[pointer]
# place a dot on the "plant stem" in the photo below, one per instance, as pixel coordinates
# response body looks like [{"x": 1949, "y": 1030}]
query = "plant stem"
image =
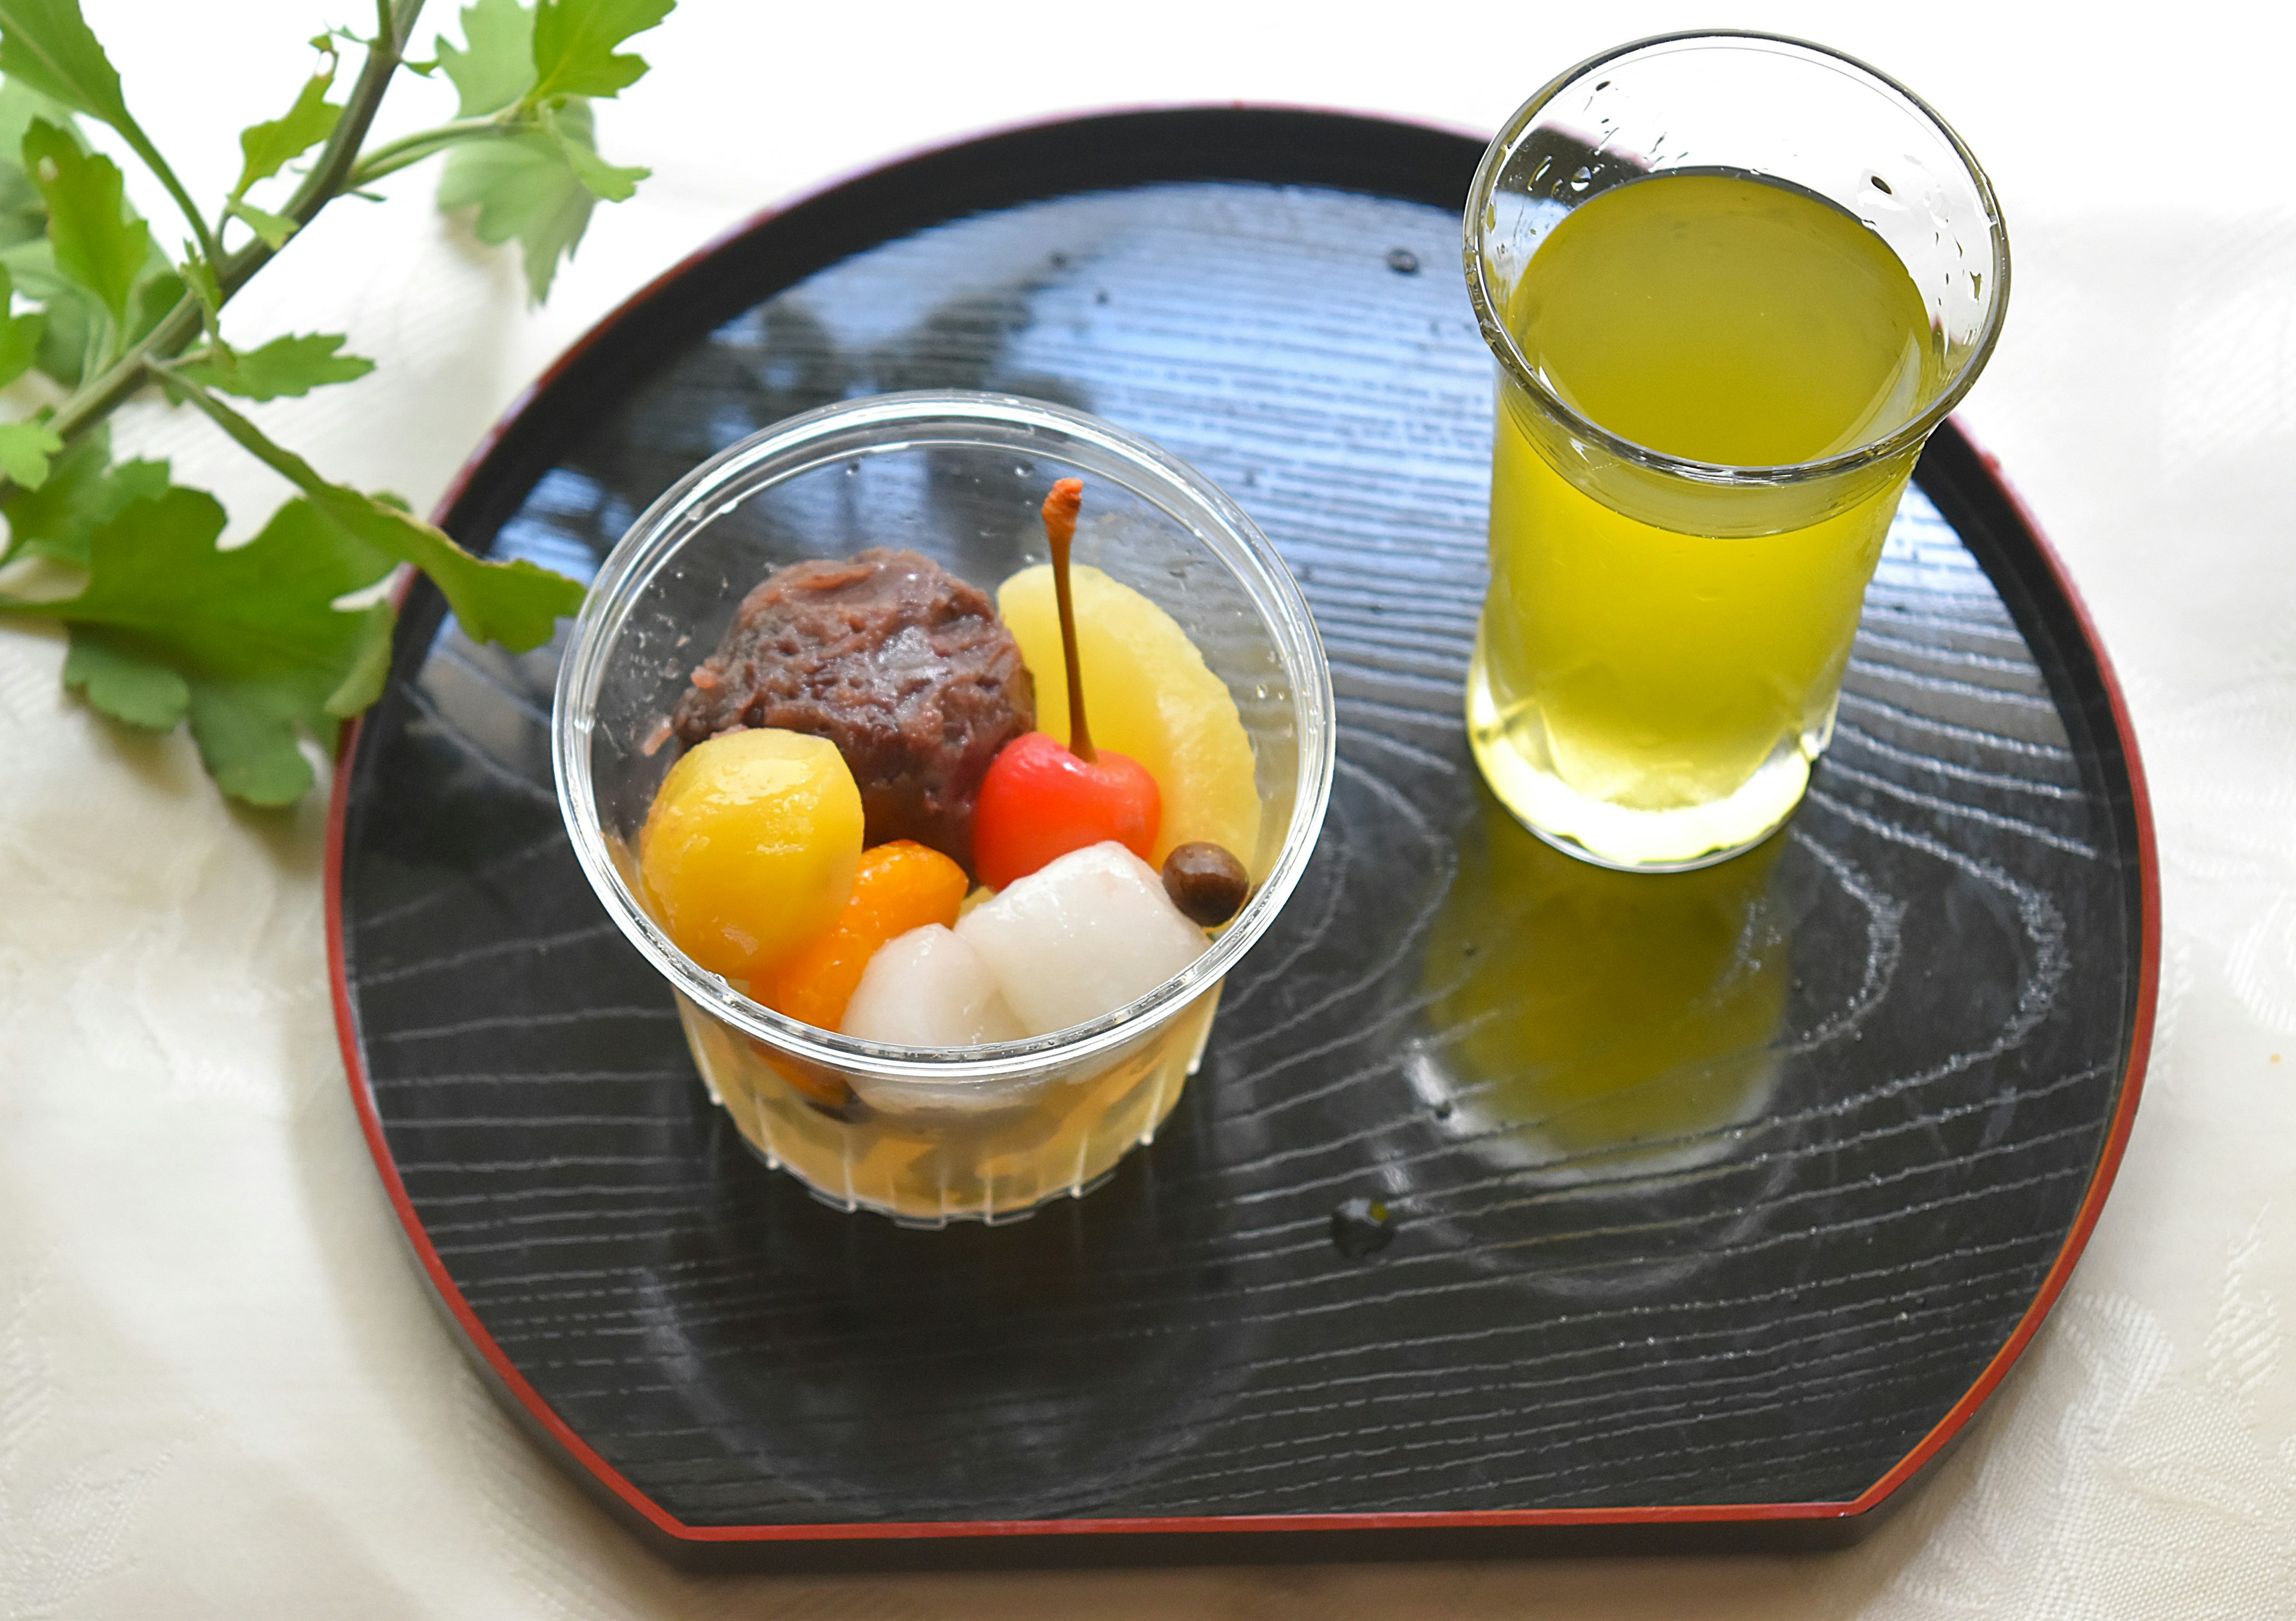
[
  {"x": 1059, "y": 530},
  {"x": 285, "y": 462},
  {"x": 141, "y": 144},
  {"x": 99, "y": 398},
  {"x": 393, "y": 156}
]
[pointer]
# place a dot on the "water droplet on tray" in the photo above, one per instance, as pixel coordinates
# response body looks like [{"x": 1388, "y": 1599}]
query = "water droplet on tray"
[
  {"x": 1362, "y": 1227},
  {"x": 1403, "y": 261},
  {"x": 1581, "y": 178}
]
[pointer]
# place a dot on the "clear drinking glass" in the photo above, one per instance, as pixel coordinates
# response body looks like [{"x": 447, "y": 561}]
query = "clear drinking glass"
[
  {"x": 927, "y": 1135},
  {"x": 1662, "y": 647}
]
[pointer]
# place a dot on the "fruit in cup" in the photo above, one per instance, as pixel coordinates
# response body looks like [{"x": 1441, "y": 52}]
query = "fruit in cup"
[
  {"x": 1041, "y": 796},
  {"x": 751, "y": 853},
  {"x": 900, "y": 887},
  {"x": 750, "y": 847},
  {"x": 1039, "y": 801},
  {"x": 1152, "y": 698}
]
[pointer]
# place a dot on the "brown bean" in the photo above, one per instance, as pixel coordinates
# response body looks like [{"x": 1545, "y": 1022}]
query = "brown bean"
[{"x": 1206, "y": 883}]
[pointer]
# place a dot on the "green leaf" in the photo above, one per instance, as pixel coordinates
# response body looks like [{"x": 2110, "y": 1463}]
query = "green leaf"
[
  {"x": 574, "y": 43},
  {"x": 107, "y": 670},
  {"x": 32, "y": 267},
  {"x": 82, "y": 490},
  {"x": 525, "y": 191},
  {"x": 266, "y": 148},
  {"x": 23, "y": 216},
  {"x": 599, "y": 177},
  {"x": 274, "y": 229},
  {"x": 517, "y": 604},
  {"x": 99, "y": 245},
  {"x": 73, "y": 323},
  {"x": 157, "y": 294},
  {"x": 20, "y": 341},
  {"x": 514, "y": 603},
  {"x": 370, "y": 665},
  {"x": 251, "y": 633},
  {"x": 25, "y": 448},
  {"x": 200, "y": 278},
  {"x": 48, "y": 46},
  {"x": 284, "y": 365},
  {"x": 19, "y": 104},
  {"x": 497, "y": 65},
  {"x": 19, "y": 335}
]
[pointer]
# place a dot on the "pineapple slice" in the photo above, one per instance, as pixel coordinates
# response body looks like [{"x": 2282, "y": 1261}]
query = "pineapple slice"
[{"x": 1149, "y": 695}]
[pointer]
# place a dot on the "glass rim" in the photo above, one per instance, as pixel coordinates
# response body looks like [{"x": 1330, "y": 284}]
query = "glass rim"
[
  {"x": 798, "y": 444},
  {"x": 1502, "y": 343}
]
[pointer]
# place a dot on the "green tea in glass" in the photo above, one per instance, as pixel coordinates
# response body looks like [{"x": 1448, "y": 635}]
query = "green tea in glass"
[{"x": 1732, "y": 281}]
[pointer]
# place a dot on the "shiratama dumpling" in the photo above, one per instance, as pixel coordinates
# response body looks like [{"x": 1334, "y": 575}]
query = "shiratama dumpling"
[
  {"x": 930, "y": 989},
  {"x": 1081, "y": 936}
]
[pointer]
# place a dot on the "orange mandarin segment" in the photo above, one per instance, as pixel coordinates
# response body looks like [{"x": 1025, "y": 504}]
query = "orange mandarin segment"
[{"x": 900, "y": 887}]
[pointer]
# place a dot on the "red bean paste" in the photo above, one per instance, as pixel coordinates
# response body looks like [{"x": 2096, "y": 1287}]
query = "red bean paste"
[{"x": 904, "y": 667}]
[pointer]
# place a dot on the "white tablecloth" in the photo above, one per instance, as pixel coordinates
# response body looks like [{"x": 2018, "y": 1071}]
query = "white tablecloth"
[{"x": 223, "y": 1391}]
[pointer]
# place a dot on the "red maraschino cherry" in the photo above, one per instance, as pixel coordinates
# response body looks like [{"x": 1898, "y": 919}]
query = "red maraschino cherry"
[{"x": 1041, "y": 801}]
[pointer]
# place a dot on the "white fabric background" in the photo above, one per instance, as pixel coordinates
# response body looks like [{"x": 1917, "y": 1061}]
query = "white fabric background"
[{"x": 223, "y": 1391}]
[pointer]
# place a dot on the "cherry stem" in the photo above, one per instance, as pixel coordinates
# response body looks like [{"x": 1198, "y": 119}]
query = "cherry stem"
[{"x": 1060, "y": 528}]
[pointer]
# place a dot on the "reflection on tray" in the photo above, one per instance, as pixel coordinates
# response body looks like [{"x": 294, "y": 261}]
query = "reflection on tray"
[{"x": 1601, "y": 1023}]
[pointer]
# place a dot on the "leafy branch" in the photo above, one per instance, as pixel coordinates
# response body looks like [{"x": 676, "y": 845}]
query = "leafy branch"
[{"x": 257, "y": 646}]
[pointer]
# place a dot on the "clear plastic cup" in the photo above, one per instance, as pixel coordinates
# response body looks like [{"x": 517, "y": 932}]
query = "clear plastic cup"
[{"x": 928, "y": 1135}]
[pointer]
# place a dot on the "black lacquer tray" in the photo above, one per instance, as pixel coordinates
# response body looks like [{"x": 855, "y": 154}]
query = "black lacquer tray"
[{"x": 1719, "y": 1202}]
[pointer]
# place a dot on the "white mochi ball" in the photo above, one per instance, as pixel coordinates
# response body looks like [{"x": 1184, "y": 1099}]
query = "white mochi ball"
[
  {"x": 1080, "y": 937},
  {"x": 928, "y": 988}
]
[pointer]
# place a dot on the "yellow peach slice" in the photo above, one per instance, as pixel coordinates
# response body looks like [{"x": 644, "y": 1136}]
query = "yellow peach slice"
[{"x": 1148, "y": 694}]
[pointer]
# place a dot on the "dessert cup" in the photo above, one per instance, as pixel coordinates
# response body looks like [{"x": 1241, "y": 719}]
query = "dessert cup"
[{"x": 928, "y": 1135}]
